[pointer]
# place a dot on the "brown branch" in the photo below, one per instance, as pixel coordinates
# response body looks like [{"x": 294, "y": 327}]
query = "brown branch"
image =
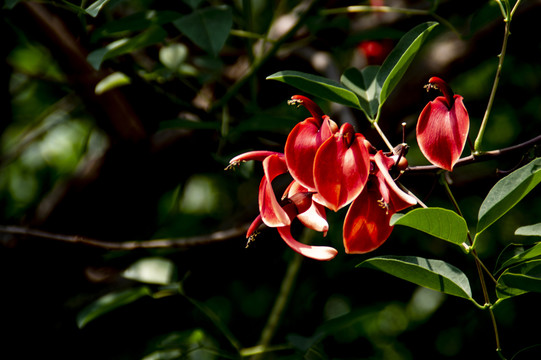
[
  {"x": 486, "y": 155},
  {"x": 130, "y": 245}
]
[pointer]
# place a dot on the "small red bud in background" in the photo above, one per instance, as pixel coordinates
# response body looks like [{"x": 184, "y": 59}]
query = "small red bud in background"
[{"x": 375, "y": 51}]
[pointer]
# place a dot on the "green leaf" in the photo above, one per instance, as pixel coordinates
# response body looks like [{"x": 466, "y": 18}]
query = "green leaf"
[
  {"x": 433, "y": 274},
  {"x": 363, "y": 83},
  {"x": 95, "y": 7},
  {"x": 396, "y": 64},
  {"x": 152, "y": 270},
  {"x": 318, "y": 86},
  {"x": 441, "y": 223},
  {"x": 110, "y": 302},
  {"x": 507, "y": 193},
  {"x": 208, "y": 28},
  {"x": 172, "y": 56},
  {"x": 149, "y": 37},
  {"x": 135, "y": 23},
  {"x": 530, "y": 230},
  {"x": 519, "y": 280},
  {"x": 522, "y": 256},
  {"x": 112, "y": 81}
]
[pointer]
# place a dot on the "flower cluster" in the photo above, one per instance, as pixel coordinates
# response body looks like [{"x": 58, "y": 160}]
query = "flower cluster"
[{"x": 331, "y": 168}]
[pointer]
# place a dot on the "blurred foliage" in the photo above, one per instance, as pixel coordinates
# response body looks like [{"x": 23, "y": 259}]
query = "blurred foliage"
[{"x": 119, "y": 121}]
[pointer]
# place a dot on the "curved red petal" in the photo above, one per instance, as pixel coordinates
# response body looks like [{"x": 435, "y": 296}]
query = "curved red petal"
[
  {"x": 254, "y": 226},
  {"x": 311, "y": 106},
  {"x": 341, "y": 168},
  {"x": 391, "y": 193},
  {"x": 258, "y": 155},
  {"x": 271, "y": 211},
  {"x": 300, "y": 149},
  {"x": 310, "y": 214},
  {"x": 442, "y": 132},
  {"x": 314, "y": 252},
  {"x": 366, "y": 225}
]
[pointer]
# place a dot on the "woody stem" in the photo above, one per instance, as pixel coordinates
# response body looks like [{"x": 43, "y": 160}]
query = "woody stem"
[{"x": 479, "y": 265}]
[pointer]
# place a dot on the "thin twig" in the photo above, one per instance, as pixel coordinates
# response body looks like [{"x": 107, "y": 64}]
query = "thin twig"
[
  {"x": 130, "y": 245},
  {"x": 486, "y": 155}
]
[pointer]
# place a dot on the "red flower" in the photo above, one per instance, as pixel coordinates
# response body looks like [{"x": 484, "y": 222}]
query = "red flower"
[
  {"x": 304, "y": 141},
  {"x": 341, "y": 168},
  {"x": 296, "y": 203},
  {"x": 442, "y": 129},
  {"x": 366, "y": 225}
]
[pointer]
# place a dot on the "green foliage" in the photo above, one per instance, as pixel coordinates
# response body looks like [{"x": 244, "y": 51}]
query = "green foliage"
[
  {"x": 208, "y": 27},
  {"x": 432, "y": 274},
  {"x": 441, "y": 223},
  {"x": 507, "y": 193},
  {"x": 365, "y": 89},
  {"x": 109, "y": 303}
]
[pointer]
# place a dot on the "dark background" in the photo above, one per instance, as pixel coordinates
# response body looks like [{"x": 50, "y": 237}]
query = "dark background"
[{"x": 120, "y": 167}]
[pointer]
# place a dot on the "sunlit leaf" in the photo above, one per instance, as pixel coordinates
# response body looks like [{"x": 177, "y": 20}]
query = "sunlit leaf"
[
  {"x": 520, "y": 279},
  {"x": 95, "y": 7},
  {"x": 400, "y": 58},
  {"x": 149, "y": 37},
  {"x": 172, "y": 56},
  {"x": 507, "y": 193},
  {"x": 208, "y": 28},
  {"x": 522, "y": 256},
  {"x": 318, "y": 86},
  {"x": 112, "y": 81},
  {"x": 530, "y": 230},
  {"x": 109, "y": 303},
  {"x": 364, "y": 84},
  {"x": 153, "y": 270},
  {"x": 441, "y": 223},
  {"x": 433, "y": 274}
]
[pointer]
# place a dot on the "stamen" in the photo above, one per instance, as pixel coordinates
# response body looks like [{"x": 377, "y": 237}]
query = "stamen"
[
  {"x": 295, "y": 102},
  {"x": 251, "y": 239},
  {"x": 233, "y": 165},
  {"x": 385, "y": 206}
]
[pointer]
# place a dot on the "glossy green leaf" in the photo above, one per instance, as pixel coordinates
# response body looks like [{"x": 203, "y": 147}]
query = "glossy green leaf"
[
  {"x": 400, "y": 58},
  {"x": 95, "y": 7},
  {"x": 363, "y": 83},
  {"x": 530, "y": 230},
  {"x": 318, "y": 86},
  {"x": 109, "y": 303},
  {"x": 433, "y": 274},
  {"x": 112, "y": 81},
  {"x": 208, "y": 28},
  {"x": 151, "y": 36},
  {"x": 522, "y": 256},
  {"x": 520, "y": 279},
  {"x": 507, "y": 193},
  {"x": 441, "y": 223}
]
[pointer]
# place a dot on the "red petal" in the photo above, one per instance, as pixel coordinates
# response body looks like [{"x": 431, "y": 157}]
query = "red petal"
[
  {"x": 254, "y": 226},
  {"x": 272, "y": 213},
  {"x": 341, "y": 168},
  {"x": 311, "y": 214},
  {"x": 311, "y": 106},
  {"x": 442, "y": 133},
  {"x": 315, "y": 218},
  {"x": 258, "y": 155},
  {"x": 366, "y": 225},
  {"x": 313, "y": 252},
  {"x": 391, "y": 193},
  {"x": 301, "y": 147}
]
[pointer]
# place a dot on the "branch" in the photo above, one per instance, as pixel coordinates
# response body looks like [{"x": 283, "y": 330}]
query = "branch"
[
  {"x": 484, "y": 156},
  {"x": 130, "y": 245}
]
